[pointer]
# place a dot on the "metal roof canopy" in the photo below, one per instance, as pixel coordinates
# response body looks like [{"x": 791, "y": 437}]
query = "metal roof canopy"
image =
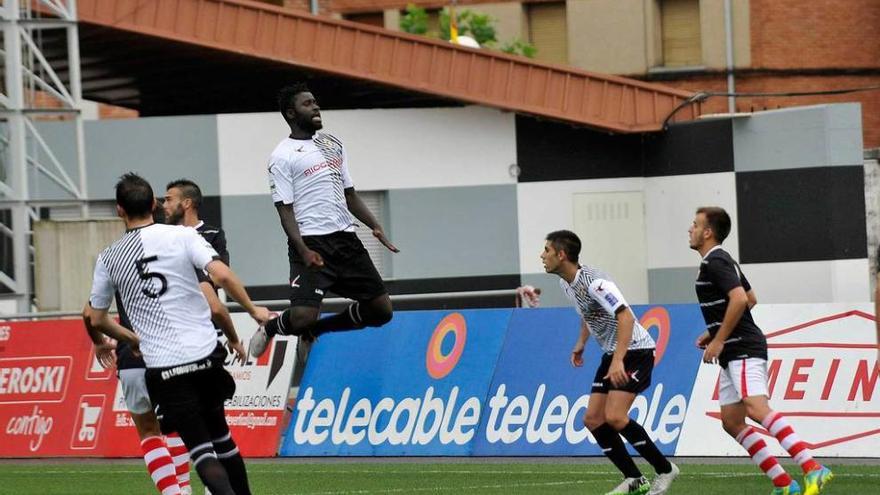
[{"x": 217, "y": 56}]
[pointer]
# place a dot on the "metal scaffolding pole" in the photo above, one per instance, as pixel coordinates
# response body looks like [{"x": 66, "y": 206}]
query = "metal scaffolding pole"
[{"x": 34, "y": 88}]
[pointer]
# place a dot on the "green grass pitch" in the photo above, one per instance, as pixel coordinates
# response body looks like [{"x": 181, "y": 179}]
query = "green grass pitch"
[{"x": 272, "y": 478}]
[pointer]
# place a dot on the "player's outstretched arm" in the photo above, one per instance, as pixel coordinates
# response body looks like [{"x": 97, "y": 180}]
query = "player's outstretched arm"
[
  {"x": 357, "y": 208},
  {"x": 223, "y": 276},
  {"x": 220, "y": 317}
]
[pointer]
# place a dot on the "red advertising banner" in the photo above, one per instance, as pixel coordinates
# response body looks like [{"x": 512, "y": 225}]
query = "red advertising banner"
[{"x": 56, "y": 400}]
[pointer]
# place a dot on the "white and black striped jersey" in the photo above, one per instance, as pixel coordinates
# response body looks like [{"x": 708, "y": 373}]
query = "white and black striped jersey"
[
  {"x": 719, "y": 274},
  {"x": 312, "y": 175},
  {"x": 153, "y": 268},
  {"x": 597, "y": 299}
]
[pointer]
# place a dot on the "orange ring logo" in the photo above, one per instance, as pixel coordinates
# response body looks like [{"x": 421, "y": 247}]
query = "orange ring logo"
[
  {"x": 438, "y": 364},
  {"x": 657, "y": 317}
]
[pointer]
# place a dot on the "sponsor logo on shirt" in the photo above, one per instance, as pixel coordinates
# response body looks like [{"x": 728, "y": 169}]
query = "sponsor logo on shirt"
[
  {"x": 610, "y": 298},
  {"x": 321, "y": 166}
]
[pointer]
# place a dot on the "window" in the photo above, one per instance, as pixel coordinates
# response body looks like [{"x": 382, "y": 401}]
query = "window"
[
  {"x": 372, "y": 18},
  {"x": 548, "y": 31},
  {"x": 680, "y": 25}
]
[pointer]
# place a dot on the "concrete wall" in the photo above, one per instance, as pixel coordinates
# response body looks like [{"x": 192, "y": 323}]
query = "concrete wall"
[
  {"x": 607, "y": 35},
  {"x": 471, "y": 192},
  {"x": 454, "y": 231}
]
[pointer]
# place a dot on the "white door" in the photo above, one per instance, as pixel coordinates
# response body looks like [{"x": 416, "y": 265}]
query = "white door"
[{"x": 612, "y": 230}]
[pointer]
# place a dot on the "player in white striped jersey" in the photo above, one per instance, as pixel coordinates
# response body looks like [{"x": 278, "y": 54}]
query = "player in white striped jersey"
[
  {"x": 153, "y": 269},
  {"x": 317, "y": 203},
  {"x": 626, "y": 366}
]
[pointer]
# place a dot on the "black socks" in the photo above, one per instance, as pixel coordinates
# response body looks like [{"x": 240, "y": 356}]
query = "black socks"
[
  {"x": 613, "y": 448},
  {"x": 639, "y": 439}
]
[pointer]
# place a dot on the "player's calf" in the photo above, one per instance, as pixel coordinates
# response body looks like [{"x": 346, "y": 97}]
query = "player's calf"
[
  {"x": 160, "y": 465},
  {"x": 211, "y": 470}
]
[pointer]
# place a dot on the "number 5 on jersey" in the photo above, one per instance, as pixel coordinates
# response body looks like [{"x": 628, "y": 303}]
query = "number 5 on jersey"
[{"x": 141, "y": 265}]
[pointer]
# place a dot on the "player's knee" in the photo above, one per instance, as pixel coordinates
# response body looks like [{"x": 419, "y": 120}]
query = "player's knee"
[
  {"x": 300, "y": 320},
  {"x": 617, "y": 421},
  {"x": 381, "y": 317},
  {"x": 593, "y": 421},
  {"x": 379, "y": 312},
  {"x": 757, "y": 411},
  {"x": 732, "y": 427}
]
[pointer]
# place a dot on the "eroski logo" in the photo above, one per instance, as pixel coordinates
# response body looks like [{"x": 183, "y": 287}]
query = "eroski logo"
[{"x": 37, "y": 379}]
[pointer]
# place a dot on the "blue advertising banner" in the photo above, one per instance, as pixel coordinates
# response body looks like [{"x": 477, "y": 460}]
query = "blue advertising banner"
[
  {"x": 413, "y": 387},
  {"x": 537, "y": 399},
  {"x": 479, "y": 382}
]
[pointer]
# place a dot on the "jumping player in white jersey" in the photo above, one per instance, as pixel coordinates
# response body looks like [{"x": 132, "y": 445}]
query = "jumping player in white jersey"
[
  {"x": 626, "y": 366},
  {"x": 734, "y": 341},
  {"x": 154, "y": 270},
  {"x": 315, "y": 198}
]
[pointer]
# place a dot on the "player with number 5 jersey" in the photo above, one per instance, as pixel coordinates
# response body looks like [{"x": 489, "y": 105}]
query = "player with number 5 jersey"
[{"x": 153, "y": 269}]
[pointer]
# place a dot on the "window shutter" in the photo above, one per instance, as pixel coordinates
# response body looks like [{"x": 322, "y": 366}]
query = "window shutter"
[
  {"x": 681, "y": 33},
  {"x": 548, "y": 31}
]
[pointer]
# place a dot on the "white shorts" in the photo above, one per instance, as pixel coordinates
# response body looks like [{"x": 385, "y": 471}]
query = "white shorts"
[
  {"x": 134, "y": 389},
  {"x": 742, "y": 378}
]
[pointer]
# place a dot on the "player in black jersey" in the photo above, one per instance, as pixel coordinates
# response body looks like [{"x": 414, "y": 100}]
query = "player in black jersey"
[
  {"x": 181, "y": 204},
  {"x": 733, "y": 340}
]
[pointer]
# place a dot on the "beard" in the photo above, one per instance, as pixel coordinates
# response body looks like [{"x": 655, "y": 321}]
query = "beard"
[
  {"x": 308, "y": 125},
  {"x": 175, "y": 216}
]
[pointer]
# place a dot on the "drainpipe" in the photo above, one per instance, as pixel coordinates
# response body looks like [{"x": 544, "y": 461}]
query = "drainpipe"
[{"x": 728, "y": 33}]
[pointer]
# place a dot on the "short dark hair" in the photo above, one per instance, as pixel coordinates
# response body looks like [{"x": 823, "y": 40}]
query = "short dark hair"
[
  {"x": 189, "y": 190},
  {"x": 134, "y": 195},
  {"x": 567, "y": 242},
  {"x": 718, "y": 220},
  {"x": 287, "y": 94}
]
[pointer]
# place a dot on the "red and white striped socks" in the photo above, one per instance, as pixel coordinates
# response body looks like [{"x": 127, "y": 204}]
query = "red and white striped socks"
[
  {"x": 796, "y": 448},
  {"x": 751, "y": 440},
  {"x": 180, "y": 456},
  {"x": 160, "y": 465}
]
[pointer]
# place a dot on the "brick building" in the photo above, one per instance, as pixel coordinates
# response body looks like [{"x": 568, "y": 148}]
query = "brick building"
[{"x": 778, "y": 45}]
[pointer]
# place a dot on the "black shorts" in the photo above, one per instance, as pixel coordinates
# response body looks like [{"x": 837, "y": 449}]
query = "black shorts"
[
  {"x": 186, "y": 392},
  {"x": 638, "y": 365},
  {"x": 125, "y": 358},
  {"x": 347, "y": 271}
]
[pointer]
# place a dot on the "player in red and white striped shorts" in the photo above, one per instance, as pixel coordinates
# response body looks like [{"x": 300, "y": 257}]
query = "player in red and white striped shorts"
[{"x": 733, "y": 340}]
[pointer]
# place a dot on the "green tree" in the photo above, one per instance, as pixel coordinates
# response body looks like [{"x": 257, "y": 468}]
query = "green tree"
[
  {"x": 481, "y": 27},
  {"x": 517, "y": 46},
  {"x": 414, "y": 20}
]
